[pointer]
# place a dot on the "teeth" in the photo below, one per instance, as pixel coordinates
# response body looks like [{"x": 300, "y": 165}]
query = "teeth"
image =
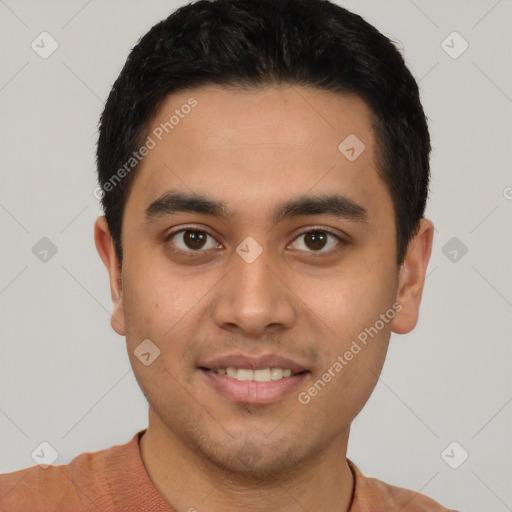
[
  {"x": 262, "y": 375},
  {"x": 245, "y": 374},
  {"x": 232, "y": 372},
  {"x": 276, "y": 373}
]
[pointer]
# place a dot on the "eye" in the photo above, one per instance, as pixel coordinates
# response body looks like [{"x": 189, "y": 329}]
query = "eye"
[
  {"x": 190, "y": 240},
  {"x": 317, "y": 240}
]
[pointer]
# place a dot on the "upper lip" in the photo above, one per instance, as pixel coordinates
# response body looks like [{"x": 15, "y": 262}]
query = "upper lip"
[{"x": 252, "y": 362}]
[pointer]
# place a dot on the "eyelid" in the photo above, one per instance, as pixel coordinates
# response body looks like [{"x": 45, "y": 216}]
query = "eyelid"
[
  {"x": 187, "y": 228},
  {"x": 312, "y": 229},
  {"x": 308, "y": 230},
  {"x": 177, "y": 250}
]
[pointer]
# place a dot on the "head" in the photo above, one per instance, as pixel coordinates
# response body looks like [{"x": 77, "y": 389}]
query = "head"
[{"x": 236, "y": 128}]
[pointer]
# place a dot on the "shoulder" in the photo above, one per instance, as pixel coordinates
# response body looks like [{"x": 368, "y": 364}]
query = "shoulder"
[
  {"x": 34, "y": 487},
  {"x": 372, "y": 494},
  {"x": 53, "y": 488}
]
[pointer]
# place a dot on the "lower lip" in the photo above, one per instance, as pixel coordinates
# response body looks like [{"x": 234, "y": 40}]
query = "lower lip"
[{"x": 250, "y": 392}]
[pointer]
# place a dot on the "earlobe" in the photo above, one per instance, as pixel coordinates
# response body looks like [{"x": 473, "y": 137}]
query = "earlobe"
[
  {"x": 107, "y": 253},
  {"x": 412, "y": 277}
]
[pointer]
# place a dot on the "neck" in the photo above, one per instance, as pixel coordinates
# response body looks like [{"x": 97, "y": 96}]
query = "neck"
[{"x": 187, "y": 481}]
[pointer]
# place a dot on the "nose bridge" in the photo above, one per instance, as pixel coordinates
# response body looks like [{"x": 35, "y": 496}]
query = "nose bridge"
[{"x": 251, "y": 296}]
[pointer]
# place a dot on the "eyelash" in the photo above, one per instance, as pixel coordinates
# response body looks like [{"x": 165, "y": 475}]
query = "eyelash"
[{"x": 313, "y": 254}]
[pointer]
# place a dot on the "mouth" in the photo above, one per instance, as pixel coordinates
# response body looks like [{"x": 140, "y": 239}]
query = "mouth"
[
  {"x": 249, "y": 380},
  {"x": 258, "y": 375}
]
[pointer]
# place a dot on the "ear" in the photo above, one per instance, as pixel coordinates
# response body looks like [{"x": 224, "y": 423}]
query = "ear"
[
  {"x": 411, "y": 278},
  {"x": 107, "y": 252}
]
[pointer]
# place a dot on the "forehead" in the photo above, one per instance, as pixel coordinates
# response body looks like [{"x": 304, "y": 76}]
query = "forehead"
[
  {"x": 252, "y": 145},
  {"x": 228, "y": 117}
]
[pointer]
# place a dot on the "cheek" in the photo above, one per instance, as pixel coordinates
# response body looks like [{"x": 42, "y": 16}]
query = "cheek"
[
  {"x": 152, "y": 314},
  {"x": 162, "y": 306},
  {"x": 356, "y": 340},
  {"x": 353, "y": 351},
  {"x": 352, "y": 299},
  {"x": 153, "y": 298}
]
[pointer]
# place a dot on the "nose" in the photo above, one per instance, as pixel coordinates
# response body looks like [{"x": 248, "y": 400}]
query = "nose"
[{"x": 254, "y": 297}]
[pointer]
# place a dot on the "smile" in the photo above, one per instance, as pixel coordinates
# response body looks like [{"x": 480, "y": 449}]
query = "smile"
[
  {"x": 258, "y": 375},
  {"x": 256, "y": 387}
]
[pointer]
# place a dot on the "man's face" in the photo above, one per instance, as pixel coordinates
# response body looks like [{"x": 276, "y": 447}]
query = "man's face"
[{"x": 196, "y": 285}]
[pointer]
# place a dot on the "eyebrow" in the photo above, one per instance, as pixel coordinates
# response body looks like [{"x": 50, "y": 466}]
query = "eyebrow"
[{"x": 336, "y": 205}]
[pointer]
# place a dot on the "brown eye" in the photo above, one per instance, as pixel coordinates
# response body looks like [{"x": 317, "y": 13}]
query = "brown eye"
[
  {"x": 191, "y": 240},
  {"x": 318, "y": 240},
  {"x": 315, "y": 240},
  {"x": 194, "y": 239}
]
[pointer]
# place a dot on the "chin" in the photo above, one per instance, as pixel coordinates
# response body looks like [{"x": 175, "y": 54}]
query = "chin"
[{"x": 254, "y": 459}]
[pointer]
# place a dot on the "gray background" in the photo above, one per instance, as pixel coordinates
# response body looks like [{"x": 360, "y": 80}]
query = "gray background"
[{"x": 65, "y": 375}]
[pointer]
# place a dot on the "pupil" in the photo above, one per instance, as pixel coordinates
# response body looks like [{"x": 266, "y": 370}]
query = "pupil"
[
  {"x": 318, "y": 238},
  {"x": 194, "y": 239}
]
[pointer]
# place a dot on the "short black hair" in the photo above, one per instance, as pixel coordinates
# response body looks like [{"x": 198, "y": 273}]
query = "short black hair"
[{"x": 255, "y": 43}]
